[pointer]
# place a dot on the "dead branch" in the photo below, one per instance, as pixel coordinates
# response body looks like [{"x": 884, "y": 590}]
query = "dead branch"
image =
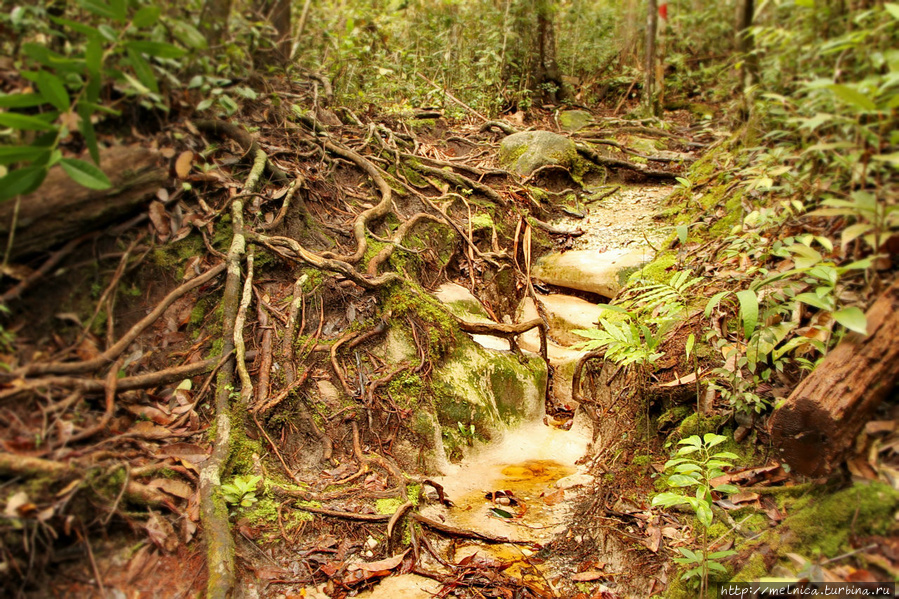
[
  {"x": 459, "y": 181},
  {"x": 462, "y": 533},
  {"x": 578, "y": 373},
  {"x": 507, "y": 331},
  {"x": 300, "y": 254},
  {"x": 16, "y": 465},
  {"x": 554, "y": 230},
  {"x": 501, "y": 125},
  {"x": 244, "y": 140}
]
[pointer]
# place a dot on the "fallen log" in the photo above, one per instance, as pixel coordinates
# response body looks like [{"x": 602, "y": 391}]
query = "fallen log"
[
  {"x": 62, "y": 210},
  {"x": 816, "y": 428}
]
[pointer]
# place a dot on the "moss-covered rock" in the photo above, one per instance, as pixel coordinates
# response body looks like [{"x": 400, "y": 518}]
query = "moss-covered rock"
[
  {"x": 527, "y": 151},
  {"x": 574, "y": 120}
]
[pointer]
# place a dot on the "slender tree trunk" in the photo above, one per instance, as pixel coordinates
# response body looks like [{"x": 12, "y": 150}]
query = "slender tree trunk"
[
  {"x": 649, "y": 84},
  {"x": 547, "y": 73},
  {"x": 745, "y": 42},
  {"x": 214, "y": 22}
]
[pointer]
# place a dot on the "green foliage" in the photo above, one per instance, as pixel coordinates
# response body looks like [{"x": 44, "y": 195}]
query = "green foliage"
[
  {"x": 694, "y": 467},
  {"x": 116, "y": 46},
  {"x": 241, "y": 491}
]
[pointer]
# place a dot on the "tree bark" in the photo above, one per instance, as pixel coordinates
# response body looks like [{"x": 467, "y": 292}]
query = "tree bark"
[
  {"x": 214, "y": 22},
  {"x": 652, "y": 12},
  {"x": 816, "y": 428},
  {"x": 745, "y": 41},
  {"x": 62, "y": 210}
]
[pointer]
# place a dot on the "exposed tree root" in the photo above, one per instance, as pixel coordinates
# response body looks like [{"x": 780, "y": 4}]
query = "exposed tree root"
[{"x": 596, "y": 158}]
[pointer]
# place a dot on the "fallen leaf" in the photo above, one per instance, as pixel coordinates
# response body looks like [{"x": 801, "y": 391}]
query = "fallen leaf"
[
  {"x": 148, "y": 430},
  {"x": 876, "y": 427},
  {"x": 385, "y": 564},
  {"x": 745, "y": 497},
  {"x": 589, "y": 576},
  {"x": 172, "y": 487},
  {"x": 161, "y": 532},
  {"x": 183, "y": 164},
  {"x": 160, "y": 219},
  {"x": 555, "y": 497}
]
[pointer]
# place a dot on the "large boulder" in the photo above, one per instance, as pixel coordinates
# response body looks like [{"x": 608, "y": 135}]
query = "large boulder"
[
  {"x": 527, "y": 151},
  {"x": 603, "y": 273}
]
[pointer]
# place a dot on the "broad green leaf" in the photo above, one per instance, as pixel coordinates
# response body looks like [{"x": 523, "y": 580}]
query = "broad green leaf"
[
  {"x": 188, "y": 35},
  {"x": 93, "y": 57},
  {"x": 721, "y": 554},
  {"x": 53, "y": 90},
  {"x": 20, "y": 100},
  {"x": 157, "y": 49},
  {"x": 146, "y": 16},
  {"x": 726, "y": 455},
  {"x": 729, "y": 489},
  {"x": 691, "y": 440},
  {"x": 228, "y": 104},
  {"x": 99, "y": 8},
  {"x": 681, "y": 480},
  {"x": 712, "y": 439},
  {"x": 87, "y": 30},
  {"x": 853, "y": 97},
  {"x": 690, "y": 554},
  {"x": 704, "y": 513},
  {"x": 143, "y": 70},
  {"x": 749, "y": 311},
  {"x": 686, "y": 468},
  {"x": 813, "y": 300},
  {"x": 500, "y": 512},
  {"x": 713, "y": 303},
  {"x": 203, "y": 105},
  {"x": 85, "y": 173},
  {"x": 853, "y": 319},
  {"x": 682, "y": 232},
  {"x": 11, "y": 154},
  {"x": 24, "y": 122},
  {"x": 119, "y": 9},
  {"x": 715, "y": 566},
  {"x": 87, "y": 131},
  {"x": 893, "y": 9},
  {"x": 691, "y": 341},
  {"x": 668, "y": 499},
  {"x": 21, "y": 181}
]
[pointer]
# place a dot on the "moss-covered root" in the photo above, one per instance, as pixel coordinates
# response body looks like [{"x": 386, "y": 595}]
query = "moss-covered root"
[{"x": 213, "y": 511}]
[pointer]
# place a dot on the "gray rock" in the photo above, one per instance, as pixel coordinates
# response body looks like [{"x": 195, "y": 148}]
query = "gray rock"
[
  {"x": 574, "y": 120},
  {"x": 603, "y": 273},
  {"x": 527, "y": 151}
]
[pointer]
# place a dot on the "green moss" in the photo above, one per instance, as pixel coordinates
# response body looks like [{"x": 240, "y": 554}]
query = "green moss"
[
  {"x": 822, "y": 525},
  {"x": 406, "y": 389},
  {"x": 641, "y": 460},
  {"x": 413, "y": 492},
  {"x": 674, "y": 416},
  {"x": 481, "y": 221},
  {"x": 655, "y": 271},
  {"x": 388, "y": 505},
  {"x": 753, "y": 571},
  {"x": 422, "y": 124}
]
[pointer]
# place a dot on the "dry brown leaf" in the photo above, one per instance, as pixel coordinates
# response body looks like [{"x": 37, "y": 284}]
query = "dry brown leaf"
[
  {"x": 148, "y": 430},
  {"x": 381, "y": 565},
  {"x": 877, "y": 427},
  {"x": 172, "y": 487},
  {"x": 160, "y": 219},
  {"x": 589, "y": 576},
  {"x": 162, "y": 533},
  {"x": 183, "y": 164},
  {"x": 554, "y": 497},
  {"x": 744, "y": 497}
]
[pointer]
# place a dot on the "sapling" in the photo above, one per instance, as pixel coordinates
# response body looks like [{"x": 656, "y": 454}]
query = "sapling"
[{"x": 696, "y": 466}]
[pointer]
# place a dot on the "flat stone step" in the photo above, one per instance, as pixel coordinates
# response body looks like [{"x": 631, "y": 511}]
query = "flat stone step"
[{"x": 603, "y": 273}]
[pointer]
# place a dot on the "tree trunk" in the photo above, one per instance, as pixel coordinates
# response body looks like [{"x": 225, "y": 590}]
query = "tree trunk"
[
  {"x": 547, "y": 75},
  {"x": 214, "y": 22},
  {"x": 816, "y": 428},
  {"x": 650, "y": 81},
  {"x": 277, "y": 12},
  {"x": 61, "y": 209},
  {"x": 745, "y": 42}
]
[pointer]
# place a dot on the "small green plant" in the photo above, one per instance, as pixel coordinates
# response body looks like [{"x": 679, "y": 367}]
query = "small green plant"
[
  {"x": 695, "y": 466},
  {"x": 241, "y": 491}
]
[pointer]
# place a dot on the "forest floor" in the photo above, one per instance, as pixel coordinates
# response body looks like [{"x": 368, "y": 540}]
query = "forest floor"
[{"x": 118, "y": 351}]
